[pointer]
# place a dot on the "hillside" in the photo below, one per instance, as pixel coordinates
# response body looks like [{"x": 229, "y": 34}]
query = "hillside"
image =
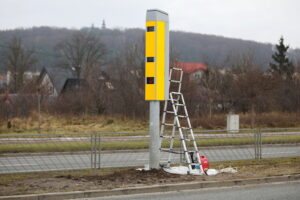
[{"x": 189, "y": 47}]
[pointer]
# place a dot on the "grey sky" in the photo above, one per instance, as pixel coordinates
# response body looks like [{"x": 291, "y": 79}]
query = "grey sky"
[{"x": 259, "y": 20}]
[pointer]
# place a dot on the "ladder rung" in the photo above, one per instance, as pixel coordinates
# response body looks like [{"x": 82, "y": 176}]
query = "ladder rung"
[
  {"x": 182, "y": 116},
  {"x": 167, "y": 136},
  {"x": 185, "y": 128},
  {"x": 175, "y": 81},
  {"x": 189, "y": 140},
  {"x": 179, "y": 104},
  {"x": 167, "y": 111},
  {"x": 185, "y": 139},
  {"x": 194, "y": 163},
  {"x": 178, "y": 93},
  {"x": 169, "y": 151},
  {"x": 167, "y": 124},
  {"x": 175, "y": 68}
]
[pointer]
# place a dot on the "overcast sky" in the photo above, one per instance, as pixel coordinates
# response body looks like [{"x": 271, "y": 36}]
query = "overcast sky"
[{"x": 259, "y": 20}]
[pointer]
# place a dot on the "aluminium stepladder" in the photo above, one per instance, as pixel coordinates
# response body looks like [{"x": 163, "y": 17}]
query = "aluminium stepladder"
[{"x": 175, "y": 108}]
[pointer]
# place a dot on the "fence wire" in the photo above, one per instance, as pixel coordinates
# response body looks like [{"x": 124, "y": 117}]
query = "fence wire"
[{"x": 52, "y": 152}]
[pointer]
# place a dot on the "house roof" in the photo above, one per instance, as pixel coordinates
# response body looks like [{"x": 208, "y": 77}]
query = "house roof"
[
  {"x": 191, "y": 67},
  {"x": 74, "y": 84},
  {"x": 58, "y": 76}
]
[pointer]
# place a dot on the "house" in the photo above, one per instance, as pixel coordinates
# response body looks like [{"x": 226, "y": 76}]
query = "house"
[
  {"x": 195, "y": 70},
  {"x": 27, "y": 76},
  {"x": 74, "y": 84},
  {"x": 53, "y": 79}
]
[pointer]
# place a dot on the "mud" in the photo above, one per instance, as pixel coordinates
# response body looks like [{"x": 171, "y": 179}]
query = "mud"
[{"x": 131, "y": 178}]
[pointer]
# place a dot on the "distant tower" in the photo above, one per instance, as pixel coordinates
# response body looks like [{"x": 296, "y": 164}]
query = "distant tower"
[{"x": 103, "y": 24}]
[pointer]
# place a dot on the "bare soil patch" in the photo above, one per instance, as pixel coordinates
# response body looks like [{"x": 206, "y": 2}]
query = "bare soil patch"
[{"x": 120, "y": 178}]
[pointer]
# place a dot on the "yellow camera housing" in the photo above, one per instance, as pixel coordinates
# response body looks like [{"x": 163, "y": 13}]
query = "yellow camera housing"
[{"x": 157, "y": 56}]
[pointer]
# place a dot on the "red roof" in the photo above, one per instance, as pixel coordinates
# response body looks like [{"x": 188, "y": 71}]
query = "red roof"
[{"x": 191, "y": 67}]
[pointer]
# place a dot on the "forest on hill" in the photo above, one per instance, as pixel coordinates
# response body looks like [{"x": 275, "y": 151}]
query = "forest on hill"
[{"x": 213, "y": 50}]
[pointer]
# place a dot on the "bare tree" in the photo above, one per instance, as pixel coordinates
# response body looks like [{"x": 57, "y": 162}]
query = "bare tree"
[
  {"x": 84, "y": 53},
  {"x": 17, "y": 61},
  {"x": 251, "y": 88},
  {"x": 211, "y": 82},
  {"x": 130, "y": 80}
]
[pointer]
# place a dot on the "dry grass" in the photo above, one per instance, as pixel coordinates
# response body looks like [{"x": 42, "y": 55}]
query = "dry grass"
[
  {"x": 273, "y": 119},
  {"x": 263, "y": 120},
  {"x": 72, "y": 124},
  {"x": 90, "y": 123}
]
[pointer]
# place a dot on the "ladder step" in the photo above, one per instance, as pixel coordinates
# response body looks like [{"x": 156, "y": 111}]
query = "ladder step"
[
  {"x": 178, "y": 93},
  {"x": 174, "y": 100},
  {"x": 175, "y": 68},
  {"x": 185, "y": 128},
  {"x": 167, "y": 124},
  {"x": 182, "y": 116},
  {"x": 188, "y": 140},
  {"x": 175, "y": 81},
  {"x": 179, "y": 104},
  {"x": 170, "y": 151},
  {"x": 194, "y": 163},
  {"x": 167, "y": 111},
  {"x": 167, "y": 136}
]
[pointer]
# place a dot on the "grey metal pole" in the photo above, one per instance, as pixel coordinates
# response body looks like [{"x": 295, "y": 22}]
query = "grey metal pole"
[{"x": 154, "y": 143}]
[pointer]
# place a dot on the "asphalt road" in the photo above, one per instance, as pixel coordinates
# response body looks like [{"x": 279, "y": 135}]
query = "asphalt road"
[
  {"x": 31, "y": 163},
  {"x": 6, "y": 139},
  {"x": 274, "y": 191}
]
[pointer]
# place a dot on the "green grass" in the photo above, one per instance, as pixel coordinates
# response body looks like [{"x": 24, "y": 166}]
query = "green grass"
[
  {"x": 295, "y": 161},
  {"x": 124, "y": 145}
]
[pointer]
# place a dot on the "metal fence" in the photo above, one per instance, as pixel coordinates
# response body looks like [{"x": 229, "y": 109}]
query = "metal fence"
[{"x": 51, "y": 152}]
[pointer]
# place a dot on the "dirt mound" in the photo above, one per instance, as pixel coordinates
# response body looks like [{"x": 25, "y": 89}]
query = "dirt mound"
[
  {"x": 44, "y": 182},
  {"x": 131, "y": 177}
]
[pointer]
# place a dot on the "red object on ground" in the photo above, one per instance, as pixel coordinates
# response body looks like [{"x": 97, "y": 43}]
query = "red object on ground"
[{"x": 204, "y": 163}]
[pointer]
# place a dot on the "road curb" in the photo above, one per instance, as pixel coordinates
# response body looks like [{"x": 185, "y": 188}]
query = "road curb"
[{"x": 151, "y": 189}]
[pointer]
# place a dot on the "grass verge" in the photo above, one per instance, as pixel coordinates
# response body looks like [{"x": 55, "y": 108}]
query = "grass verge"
[
  {"x": 8, "y": 178},
  {"x": 127, "y": 145},
  {"x": 107, "y": 179}
]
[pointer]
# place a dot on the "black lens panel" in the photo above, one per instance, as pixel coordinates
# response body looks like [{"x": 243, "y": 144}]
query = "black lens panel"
[
  {"x": 150, "y": 28},
  {"x": 150, "y": 59},
  {"x": 150, "y": 80}
]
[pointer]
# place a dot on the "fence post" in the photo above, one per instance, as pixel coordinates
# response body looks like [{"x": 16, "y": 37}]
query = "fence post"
[
  {"x": 255, "y": 143},
  {"x": 94, "y": 141},
  {"x": 99, "y": 150},
  {"x": 260, "y": 144},
  {"x": 92, "y": 137}
]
